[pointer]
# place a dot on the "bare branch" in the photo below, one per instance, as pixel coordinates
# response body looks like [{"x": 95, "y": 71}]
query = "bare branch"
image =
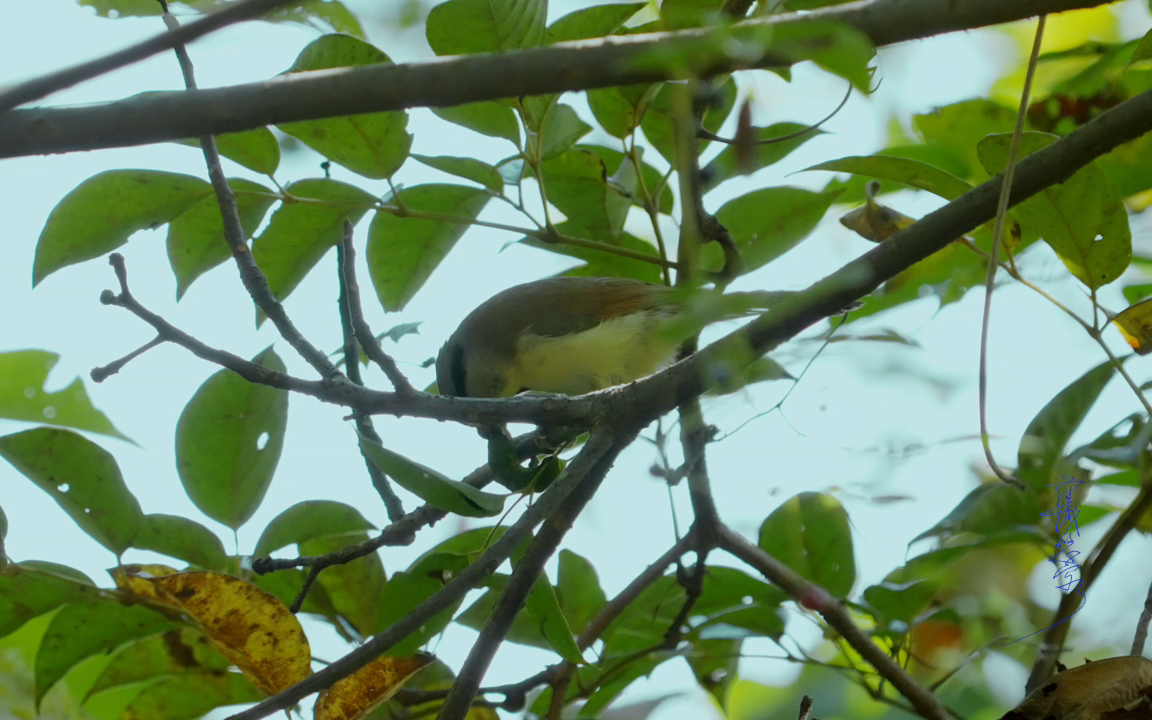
[
  {"x": 452, "y": 81},
  {"x": 832, "y": 610},
  {"x": 527, "y": 571},
  {"x": 360, "y": 326},
  {"x": 599, "y": 444}
]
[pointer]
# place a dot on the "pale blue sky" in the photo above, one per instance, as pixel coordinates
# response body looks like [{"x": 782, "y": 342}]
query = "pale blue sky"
[{"x": 859, "y": 404}]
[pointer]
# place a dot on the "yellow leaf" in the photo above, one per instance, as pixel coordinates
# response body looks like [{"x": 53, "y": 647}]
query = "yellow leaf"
[
  {"x": 136, "y": 579},
  {"x": 1135, "y": 324},
  {"x": 364, "y": 690},
  {"x": 252, "y": 628}
]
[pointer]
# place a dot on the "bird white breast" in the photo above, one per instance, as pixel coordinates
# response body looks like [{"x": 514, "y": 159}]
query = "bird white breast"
[{"x": 616, "y": 351}]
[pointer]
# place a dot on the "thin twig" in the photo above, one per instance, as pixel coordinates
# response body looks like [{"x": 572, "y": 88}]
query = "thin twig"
[
  {"x": 254, "y": 281},
  {"x": 706, "y": 135},
  {"x": 1053, "y": 642},
  {"x": 349, "y": 306},
  {"x": 360, "y": 326},
  {"x": 310, "y": 578},
  {"x": 1142, "y": 626},
  {"x": 45, "y": 85},
  {"x": 997, "y": 238},
  {"x": 548, "y": 504},
  {"x": 525, "y": 575},
  {"x": 805, "y": 708},
  {"x": 400, "y": 532},
  {"x": 832, "y": 610},
  {"x": 101, "y": 374}
]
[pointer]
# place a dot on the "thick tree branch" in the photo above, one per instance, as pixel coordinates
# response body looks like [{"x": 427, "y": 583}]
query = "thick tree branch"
[
  {"x": 452, "y": 81},
  {"x": 833, "y": 612},
  {"x": 600, "y": 443}
]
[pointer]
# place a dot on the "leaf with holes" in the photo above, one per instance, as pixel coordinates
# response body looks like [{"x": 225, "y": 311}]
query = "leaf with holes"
[
  {"x": 82, "y": 477},
  {"x": 196, "y": 241},
  {"x": 810, "y": 534},
  {"x": 374, "y": 145},
  {"x": 403, "y": 251},
  {"x": 1083, "y": 218},
  {"x": 23, "y": 374},
  {"x": 228, "y": 442},
  {"x": 106, "y": 209}
]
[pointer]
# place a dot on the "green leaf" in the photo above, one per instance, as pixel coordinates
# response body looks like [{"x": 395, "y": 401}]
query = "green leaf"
[
  {"x": 374, "y": 145},
  {"x": 191, "y": 694},
  {"x": 673, "y": 98},
  {"x": 182, "y": 538},
  {"x": 578, "y": 590},
  {"x": 1128, "y": 166},
  {"x": 768, "y": 223},
  {"x": 82, "y": 477},
  {"x": 725, "y": 166},
  {"x": 544, "y": 610},
  {"x": 1122, "y": 446},
  {"x": 401, "y": 595},
  {"x": 430, "y": 486},
  {"x": 624, "y": 174},
  {"x": 228, "y": 441},
  {"x": 457, "y": 552},
  {"x": 106, "y": 209},
  {"x": 403, "y": 251},
  {"x": 1083, "y": 218},
  {"x": 682, "y": 14},
  {"x": 592, "y": 22},
  {"x": 913, "y": 173},
  {"x": 527, "y": 628},
  {"x": 300, "y": 233},
  {"x": 26, "y": 592},
  {"x": 957, "y": 128},
  {"x": 309, "y": 520},
  {"x": 1043, "y": 442},
  {"x": 355, "y": 587},
  {"x": 810, "y": 534},
  {"x": 196, "y": 241},
  {"x": 462, "y": 27},
  {"x": 715, "y": 664},
  {"x": 174, "y": 652},
  {"x": 560, "y": 129},
  {"x": 577, "y": 184},
  {"x": 990, "y": 509},
  {"x": 494, "y": 118},
  {"x": 900, "y": 602},
  {"x": 332, "y": 13},
  {"x": 23, "y": 397},
  {"x": 256, "y": 149},
  {"x": 1143, "y": 49},
  {"x": 88, "y": 626},
  {"x": 467, "y": 168},
  {"x": 620, "y": 109}
]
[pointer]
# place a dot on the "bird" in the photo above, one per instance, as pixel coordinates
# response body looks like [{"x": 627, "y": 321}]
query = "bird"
[{"x": 574, "y": 335}]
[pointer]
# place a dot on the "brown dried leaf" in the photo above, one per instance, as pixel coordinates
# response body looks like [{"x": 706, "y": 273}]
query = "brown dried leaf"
[
  {"x": 364, "y": 690},
  {"x": 1103, "y": 690},
  {"x": 252, "y": 628}
]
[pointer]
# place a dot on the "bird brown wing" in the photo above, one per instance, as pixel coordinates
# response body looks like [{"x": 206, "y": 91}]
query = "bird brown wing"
[{"x": 567, "y": 305}]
